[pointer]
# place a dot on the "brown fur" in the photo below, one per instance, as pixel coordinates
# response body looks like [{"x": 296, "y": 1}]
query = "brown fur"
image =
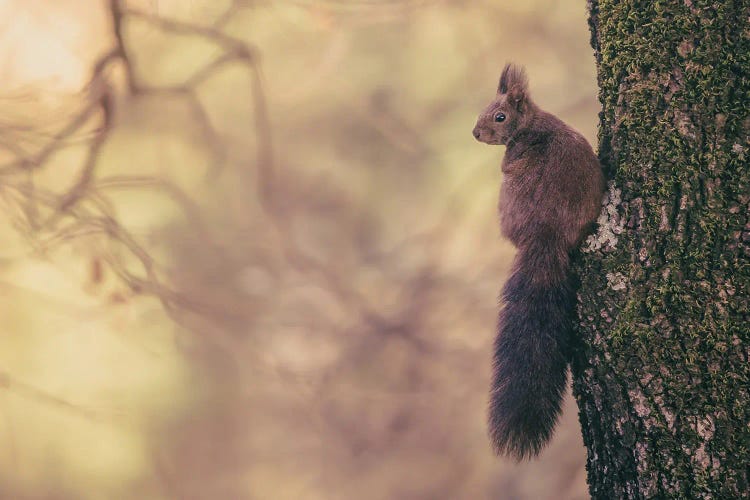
[
  {"x": 553, "y": 183},
  {"x": 551, "y": 192}
]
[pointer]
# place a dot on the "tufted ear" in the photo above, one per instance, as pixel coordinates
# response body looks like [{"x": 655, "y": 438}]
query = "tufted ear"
[{"x": 515, "y": 84}]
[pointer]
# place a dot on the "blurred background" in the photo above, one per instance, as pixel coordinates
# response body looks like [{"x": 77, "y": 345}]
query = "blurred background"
[{"x": 251, "y": 251}]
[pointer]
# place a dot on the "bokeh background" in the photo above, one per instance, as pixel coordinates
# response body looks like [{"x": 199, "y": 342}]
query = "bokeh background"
[{"x": 250, "y": 248}]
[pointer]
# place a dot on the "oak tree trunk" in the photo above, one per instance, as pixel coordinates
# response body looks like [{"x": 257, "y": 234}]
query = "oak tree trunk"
[{"x": 661, "y": 372}]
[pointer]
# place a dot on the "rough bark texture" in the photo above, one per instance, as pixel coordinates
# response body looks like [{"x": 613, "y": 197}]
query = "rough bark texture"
[{"x": 661, "y": 374}]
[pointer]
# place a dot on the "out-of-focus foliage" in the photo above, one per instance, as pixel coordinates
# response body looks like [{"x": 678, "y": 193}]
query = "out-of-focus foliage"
[{"x": 251, "y": 250}]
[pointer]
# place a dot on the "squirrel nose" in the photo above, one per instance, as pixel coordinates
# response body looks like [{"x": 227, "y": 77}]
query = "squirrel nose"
[{"x": 476, "y": 132}]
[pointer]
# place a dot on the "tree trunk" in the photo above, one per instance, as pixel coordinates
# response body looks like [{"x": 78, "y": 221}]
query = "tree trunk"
[{"x": 661, "y": 373}]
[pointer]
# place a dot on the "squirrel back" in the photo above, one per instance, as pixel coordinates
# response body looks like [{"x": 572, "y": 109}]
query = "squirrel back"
[{"x": 551, "y": 193}]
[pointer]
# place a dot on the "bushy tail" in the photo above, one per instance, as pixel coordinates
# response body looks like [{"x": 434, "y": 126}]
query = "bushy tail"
[{"x": 531, "y": 352}]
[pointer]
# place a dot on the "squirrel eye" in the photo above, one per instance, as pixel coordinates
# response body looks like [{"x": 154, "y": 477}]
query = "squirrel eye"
[{"x": 499, "y": 117}]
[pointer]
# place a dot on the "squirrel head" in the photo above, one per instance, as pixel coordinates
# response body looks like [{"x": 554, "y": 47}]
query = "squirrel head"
[{"x": 509, "y": 112}]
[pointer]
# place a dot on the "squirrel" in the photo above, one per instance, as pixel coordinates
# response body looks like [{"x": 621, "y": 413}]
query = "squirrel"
[{"x": 551, "y": 193}]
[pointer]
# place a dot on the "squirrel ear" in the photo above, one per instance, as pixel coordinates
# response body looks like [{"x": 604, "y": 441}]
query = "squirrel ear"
[
  {"x": 517, "y": 97},
  {"x": 514, "y": 82}
]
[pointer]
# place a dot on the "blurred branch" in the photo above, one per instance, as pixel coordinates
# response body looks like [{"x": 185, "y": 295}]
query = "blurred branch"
[
  {"x": 95, "y": 218},
  {"x": 234, "y": 8},
  {"x": 229, "y": 43},
  {"x": 28, "y": 391},
  {"x": 120, "y": 51},
  {"x": 58, "y": 140}
]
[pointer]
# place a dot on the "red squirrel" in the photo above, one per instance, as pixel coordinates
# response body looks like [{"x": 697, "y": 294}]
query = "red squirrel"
[{"x": 551, "y": 193}]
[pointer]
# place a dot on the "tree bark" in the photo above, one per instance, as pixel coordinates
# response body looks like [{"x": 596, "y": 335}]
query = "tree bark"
[{"x": 661, "y": 371}]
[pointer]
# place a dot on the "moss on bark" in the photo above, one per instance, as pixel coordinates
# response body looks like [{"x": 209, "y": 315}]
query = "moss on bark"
[{"x": 661, "y": 375}]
